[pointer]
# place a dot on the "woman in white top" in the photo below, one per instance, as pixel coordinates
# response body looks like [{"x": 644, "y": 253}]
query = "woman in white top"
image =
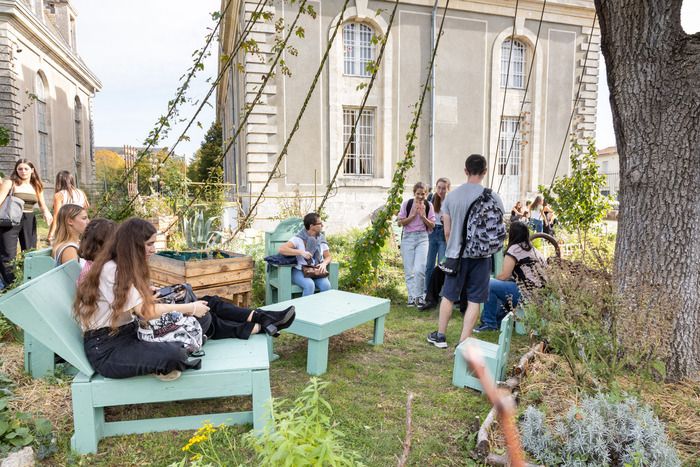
[
  {"x": 65, "y": 192},
  {"x": 117, "y": 289},
  {"x": 536, "y": 217},
  {"x": 72, "y": 221}
]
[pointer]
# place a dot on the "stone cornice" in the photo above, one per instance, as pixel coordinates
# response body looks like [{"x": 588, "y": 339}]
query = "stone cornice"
[{"x": 24, "y": 19}]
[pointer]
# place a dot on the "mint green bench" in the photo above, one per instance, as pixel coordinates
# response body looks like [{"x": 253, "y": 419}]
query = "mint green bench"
[
  {"x": 495, "y": 357},
  {"x": 278, "y": 279},
  {"x": 39, "y": 361},
  {"x": 231, "y": 367},
  {"x": 323, "y": 315}
]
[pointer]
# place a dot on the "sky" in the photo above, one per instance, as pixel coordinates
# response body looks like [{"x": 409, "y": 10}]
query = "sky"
[{"x": 140, "y": 48}]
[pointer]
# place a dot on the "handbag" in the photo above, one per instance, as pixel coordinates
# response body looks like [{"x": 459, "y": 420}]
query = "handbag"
[
  {"x": 173, "y": 327},
  {"x": 313, "y": 272},
  {"x": 11, "y": 210},
  {"x": 178, "y": 293}
]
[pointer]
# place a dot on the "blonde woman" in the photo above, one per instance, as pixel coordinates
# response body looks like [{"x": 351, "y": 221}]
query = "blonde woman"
[{"x": 71, "y": 222}]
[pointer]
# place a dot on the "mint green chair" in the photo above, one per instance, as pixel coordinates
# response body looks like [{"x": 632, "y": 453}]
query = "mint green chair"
[
  {"x": 278, "y": 279},
  {"x": 39, "y": 361},
  {"x": 231, "y": 367},
  {"x": 495, "y": 357}
]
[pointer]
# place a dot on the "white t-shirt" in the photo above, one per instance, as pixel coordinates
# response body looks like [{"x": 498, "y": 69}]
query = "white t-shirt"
[
  {"x": 74, "y": 197},
  {"x": 103, "y": 316},
  {"x": 299, "y": 245},
  {"x": 536, "y": 213}
]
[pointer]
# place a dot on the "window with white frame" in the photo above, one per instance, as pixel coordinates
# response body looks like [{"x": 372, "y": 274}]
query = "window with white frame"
[
  {"x": 42, "y": 119},
  {"x": 358, "y": 49},
  {"x": 514, "y": 76},
  {"x": 360, "y": 157},
  {"x": 509, "y": 147}
]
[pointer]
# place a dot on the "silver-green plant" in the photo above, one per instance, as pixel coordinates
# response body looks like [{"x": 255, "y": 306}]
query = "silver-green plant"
[
  {"x": 600, "y": 431},
  {"x": 197, "y": 229}
]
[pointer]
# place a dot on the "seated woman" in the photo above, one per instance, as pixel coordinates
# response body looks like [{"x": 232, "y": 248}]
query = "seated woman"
[
  {"x": 310, "y": 248},
  {"x": 71, "y": 222},
  {"x": 97, "y": 233},
  {"x": 117, "y": 289},
  {"x": 522, "y": 269}
]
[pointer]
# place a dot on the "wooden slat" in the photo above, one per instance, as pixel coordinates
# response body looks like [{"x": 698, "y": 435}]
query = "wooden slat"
[{"x": 211, "y": 280}]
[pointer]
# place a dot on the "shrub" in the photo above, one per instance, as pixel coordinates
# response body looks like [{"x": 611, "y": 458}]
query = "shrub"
[
  {"x": 302, "y": 434},
  {"x": 601, "y": 431}
]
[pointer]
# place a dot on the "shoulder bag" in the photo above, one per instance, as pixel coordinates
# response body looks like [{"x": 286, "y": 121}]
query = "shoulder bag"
[
  {"x": 312, "y": 271},
  {"x": 11, "y": 209}
]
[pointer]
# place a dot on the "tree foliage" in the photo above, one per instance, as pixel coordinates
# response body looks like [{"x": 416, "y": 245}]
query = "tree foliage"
[
  {"x": 109, "y": 166},
  {"x": 208, "y": 156},
  {"x": 576, "y": 198}
]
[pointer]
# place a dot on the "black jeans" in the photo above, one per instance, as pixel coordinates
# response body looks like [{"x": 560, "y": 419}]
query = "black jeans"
[
  {"x": 25, "y": 232},
  {"x": 227, "y": 320},
  {"x": 123, "y": 355}
]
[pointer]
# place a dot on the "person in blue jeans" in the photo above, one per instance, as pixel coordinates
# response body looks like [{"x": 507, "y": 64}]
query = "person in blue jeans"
[
  {"x": 523, "y": 267},
  {"x": 436, "y": 239},
  {"x": 537, "y": 215},
  {"x": 310, "y": 248}
]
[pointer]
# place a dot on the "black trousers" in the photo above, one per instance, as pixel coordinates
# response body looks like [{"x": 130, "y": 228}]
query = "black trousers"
[
  {"x": 435, "y": 287},
  {"x": 227, "y": 320},
  {"x": 25, "y": 232},
  {"x": 123, "y": 355}
]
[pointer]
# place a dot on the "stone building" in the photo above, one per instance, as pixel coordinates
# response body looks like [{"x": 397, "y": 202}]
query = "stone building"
[
  {"x": 474, "y": 105},
  {"x": 46, "y": 90}
]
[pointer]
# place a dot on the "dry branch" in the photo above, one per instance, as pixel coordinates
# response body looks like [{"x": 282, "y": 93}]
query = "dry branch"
[
  {"x": 407, "y": 441},
  {"x": 524, "y": 361}
]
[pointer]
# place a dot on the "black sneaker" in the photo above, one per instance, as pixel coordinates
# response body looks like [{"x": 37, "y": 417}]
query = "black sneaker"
[
  {"x": 419, "y": 302},
  {"x": 437, "y": 339},
  {"x": 427, "y": 306},
  {"x": 484, "y": 328}
]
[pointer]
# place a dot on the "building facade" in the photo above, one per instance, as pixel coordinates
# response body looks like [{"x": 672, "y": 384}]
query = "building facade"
[
  {"x": 46, "y": 90},
  {"x": 487, "y": 56},
  {"x": 609, "y": 165}
]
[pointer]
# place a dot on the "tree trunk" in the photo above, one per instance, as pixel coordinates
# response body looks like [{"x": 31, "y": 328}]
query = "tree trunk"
[{"x": 653, "y": 71}]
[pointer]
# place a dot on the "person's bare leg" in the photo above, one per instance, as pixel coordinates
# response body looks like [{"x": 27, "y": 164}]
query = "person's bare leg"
[
  {"x": 445, "y": 315},
  {"x": 256, "y": 329},
  {"x": 470, "y": 317}
]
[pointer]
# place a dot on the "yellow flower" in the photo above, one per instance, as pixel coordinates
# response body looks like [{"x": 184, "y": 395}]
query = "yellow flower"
[{"x": 196, "y": 457}]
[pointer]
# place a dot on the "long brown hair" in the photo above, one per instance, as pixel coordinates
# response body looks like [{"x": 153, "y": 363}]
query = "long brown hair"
[
  {"x": 97, "y": 233},
  {"x": 34, "y": 180},
  {"x": 67, "y": 211},
  {"x": 437, "y": 201},
  {"x": 127, "y": 249}
]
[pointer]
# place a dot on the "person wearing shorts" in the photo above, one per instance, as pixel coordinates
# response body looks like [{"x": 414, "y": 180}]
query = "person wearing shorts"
[{"x": 472, "y": 282}]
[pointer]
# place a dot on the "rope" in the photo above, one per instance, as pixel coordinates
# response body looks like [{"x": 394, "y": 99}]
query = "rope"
[
  {"x": 522, "y": 104},
  {"x": 505, "y": 92},
  {"x": 362, "y": 107},
  {"x": 154, "y": 136},
  {"x": 578, "y": 94},
  {"x": 239, "y": 43}
]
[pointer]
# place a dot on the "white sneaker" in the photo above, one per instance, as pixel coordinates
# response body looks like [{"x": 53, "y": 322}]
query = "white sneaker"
[
  {"x": 411, "y": 301},
  {"x": 172, "y": 376}
]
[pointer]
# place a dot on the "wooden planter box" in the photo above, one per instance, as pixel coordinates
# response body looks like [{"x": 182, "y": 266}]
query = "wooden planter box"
[{"x": 228, "y": 275}]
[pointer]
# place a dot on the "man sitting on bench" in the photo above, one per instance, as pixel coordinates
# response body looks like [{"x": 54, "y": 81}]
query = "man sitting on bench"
[{"x": 313, "y": 256}]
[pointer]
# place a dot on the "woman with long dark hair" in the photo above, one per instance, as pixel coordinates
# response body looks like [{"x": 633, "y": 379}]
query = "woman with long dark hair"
[
  {"x": 24, "y": 183},
  {"x": 536, "y": 215},
  {"x": 436, "y": 239},
  {"x": 522, "y": 268},
  {"x": 116, "y": 290},
  {"x": 65, "y": 192}
]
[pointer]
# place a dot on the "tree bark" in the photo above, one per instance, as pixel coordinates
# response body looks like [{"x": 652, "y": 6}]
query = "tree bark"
[{"x": 653, "y": 71}]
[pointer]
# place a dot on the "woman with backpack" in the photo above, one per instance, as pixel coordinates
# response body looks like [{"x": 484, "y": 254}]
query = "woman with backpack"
[
  {"x": 522, "y": 269},
  {"x": 417, "y": 217}
]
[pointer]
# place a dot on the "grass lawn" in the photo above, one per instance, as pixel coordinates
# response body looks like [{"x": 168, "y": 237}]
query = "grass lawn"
[{"x": 368, "y": 390}]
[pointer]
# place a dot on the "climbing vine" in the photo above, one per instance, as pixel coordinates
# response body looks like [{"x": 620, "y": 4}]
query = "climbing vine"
[{"x": 366, "y": 260}]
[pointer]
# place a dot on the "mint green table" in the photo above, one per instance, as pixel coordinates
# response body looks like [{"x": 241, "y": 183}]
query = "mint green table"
[{"x": 326, "y": 314}]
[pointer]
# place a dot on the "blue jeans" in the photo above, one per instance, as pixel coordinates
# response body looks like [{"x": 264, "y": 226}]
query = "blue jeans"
[
  {"x": 414, "y": 252},
  {"x": 537, "y": 225},
  {"x": 436, "y": 250},
  {"x": 503, "y": 297},
  {"x": 309, "y": 285}
]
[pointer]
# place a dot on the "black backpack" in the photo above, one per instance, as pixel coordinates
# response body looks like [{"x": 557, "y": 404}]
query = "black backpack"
[
  {"x": 409, "y": 206},
  {"x": 485, "y": 229}
]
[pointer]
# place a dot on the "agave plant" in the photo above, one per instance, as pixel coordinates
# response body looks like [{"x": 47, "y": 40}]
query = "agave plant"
[{"x": 198, "y": 233}]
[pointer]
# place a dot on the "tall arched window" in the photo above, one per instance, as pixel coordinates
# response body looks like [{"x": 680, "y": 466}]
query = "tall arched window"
[
  {"x": 42, "y": 125},
  {"x": 358, "y": 49},
  {"x": 78, "y": 110},
  {"x": 513, "y": 77}
]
